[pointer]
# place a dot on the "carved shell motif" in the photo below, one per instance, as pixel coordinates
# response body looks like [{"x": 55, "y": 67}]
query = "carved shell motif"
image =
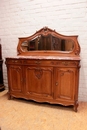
[{"x": 38, "y": 73}]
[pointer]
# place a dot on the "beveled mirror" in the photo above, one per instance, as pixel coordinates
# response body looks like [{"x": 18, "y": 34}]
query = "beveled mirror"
[{"x": 46, "y": 40}]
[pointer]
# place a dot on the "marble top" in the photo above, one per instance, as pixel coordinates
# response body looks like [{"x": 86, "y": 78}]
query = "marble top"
[{"x": 46, "y": 57}]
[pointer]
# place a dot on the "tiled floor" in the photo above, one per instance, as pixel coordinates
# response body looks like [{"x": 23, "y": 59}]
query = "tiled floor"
[{"x": 20, "y": 114}]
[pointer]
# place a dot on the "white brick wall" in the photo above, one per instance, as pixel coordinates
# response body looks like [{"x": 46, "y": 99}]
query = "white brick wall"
[{"x": 23, "y": 17}]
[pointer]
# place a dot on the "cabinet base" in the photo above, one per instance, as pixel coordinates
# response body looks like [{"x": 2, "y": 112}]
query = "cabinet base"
[{"x": 74, "y": 106}]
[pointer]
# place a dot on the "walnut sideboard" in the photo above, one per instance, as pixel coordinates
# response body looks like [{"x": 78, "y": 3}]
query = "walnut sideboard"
[{"x": 46, "y": 68}]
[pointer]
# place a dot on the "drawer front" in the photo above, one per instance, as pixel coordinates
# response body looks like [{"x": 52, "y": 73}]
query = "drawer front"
[
  {"x": 13, "y": 61},
  {"x": 37, "y": 62},
  {"x": 68, "y": 63}
]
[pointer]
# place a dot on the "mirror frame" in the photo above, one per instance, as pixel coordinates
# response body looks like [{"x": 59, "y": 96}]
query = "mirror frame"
[{"x": 46, "y": 31}]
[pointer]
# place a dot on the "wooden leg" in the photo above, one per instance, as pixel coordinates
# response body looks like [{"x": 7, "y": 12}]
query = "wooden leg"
[
  {"x": 9, "y": 96},
  {"x": 75, "y": 106}
]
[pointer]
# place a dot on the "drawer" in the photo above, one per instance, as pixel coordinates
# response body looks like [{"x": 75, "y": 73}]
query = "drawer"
[
  {"x": 13, "y": 61},
  {"x": 37, "y": 62},
  {"x": 68, "y": 63},
  {"x": 65, "y": 63}
]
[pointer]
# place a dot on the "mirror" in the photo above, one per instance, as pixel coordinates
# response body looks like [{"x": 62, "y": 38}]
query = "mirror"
[{"x": 48, "y": 42}]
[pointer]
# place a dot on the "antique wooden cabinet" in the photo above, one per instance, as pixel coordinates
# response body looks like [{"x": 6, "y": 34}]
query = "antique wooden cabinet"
[
  {"x": 1, "y": 71},
  {"x": 46, "y": 68}
]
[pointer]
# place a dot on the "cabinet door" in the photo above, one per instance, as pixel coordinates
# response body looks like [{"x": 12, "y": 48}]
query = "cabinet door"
[
  {"x": 15, "y": 78},
  {"x": 39, "y": 82},
  {"x": 65, "y": 84}
]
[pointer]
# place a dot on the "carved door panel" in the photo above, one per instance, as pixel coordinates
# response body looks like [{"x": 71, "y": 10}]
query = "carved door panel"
[
  {"x": 65, "y": 84},
  {"x": 15, "y": 80},
  {"x": 39, "y": 81}
]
